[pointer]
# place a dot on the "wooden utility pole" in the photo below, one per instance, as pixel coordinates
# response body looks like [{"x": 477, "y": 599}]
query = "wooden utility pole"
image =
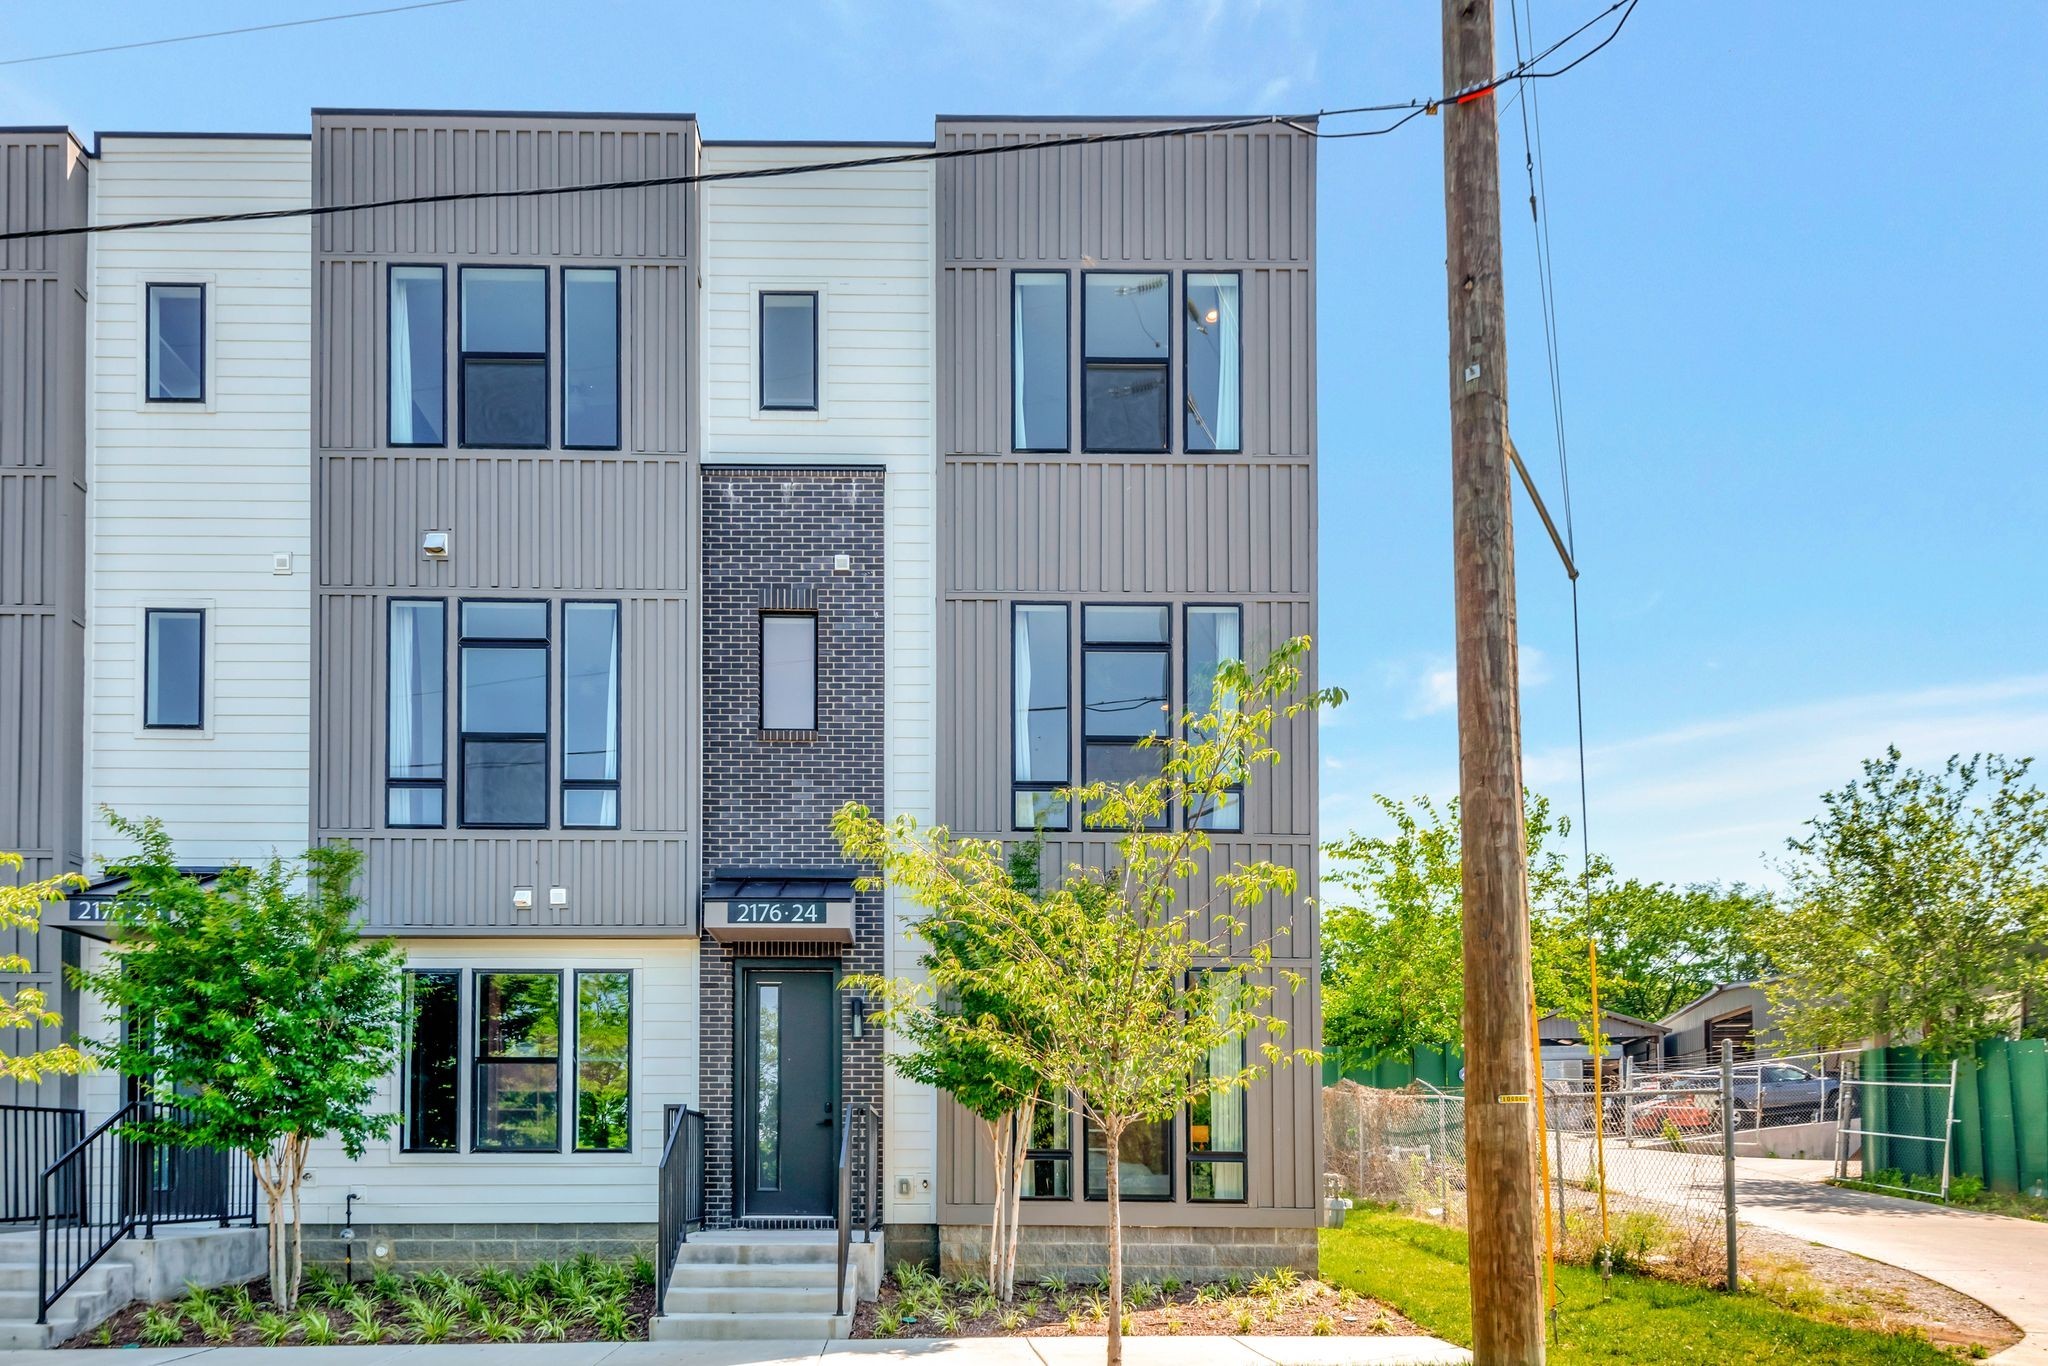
[{"x": 1500, "y": 1080}]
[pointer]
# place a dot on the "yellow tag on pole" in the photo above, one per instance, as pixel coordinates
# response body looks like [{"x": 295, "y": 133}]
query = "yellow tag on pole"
[{"x": 1512, "y": 1100}]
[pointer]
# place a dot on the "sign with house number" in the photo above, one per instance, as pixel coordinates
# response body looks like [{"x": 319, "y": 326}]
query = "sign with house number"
[
  {"x": 738, "y": 913},
  {"x": 776, "y": 912}
]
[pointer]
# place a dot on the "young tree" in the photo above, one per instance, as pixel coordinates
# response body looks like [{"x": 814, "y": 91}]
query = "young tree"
[
  {"x": 1917, "y": 907},
  {"x": 1662, "y": 946},
  {"x": 1137, "y": 992},
  {"x": 21, "y": 908},
  {"x": 256, "y": 1009}
]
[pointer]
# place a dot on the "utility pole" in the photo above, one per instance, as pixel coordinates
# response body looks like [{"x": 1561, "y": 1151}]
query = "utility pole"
[{"x": 1507, "y": 1297}]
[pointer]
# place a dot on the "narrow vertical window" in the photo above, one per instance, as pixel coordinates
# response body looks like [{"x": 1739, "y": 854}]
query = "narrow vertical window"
[
  {"x": 1039, "y": 732},
  {"x": 1038, "y": 360},
  {"x": 1125, "y": 662},
  {"x": 504, "y": 714},
  {"x": 417, "y": 356},
  {"x": 590, "y": 714},
  {"x": 433, "y": 1059},
  {"x": 590, "y": 359},
  {"x": 1144, "y": 1162},
  {"x": 1216, "y": 1121},
  {"x": 176, "y": 346},
  {"x": 505, "y": 357},
  {"x": 174, "y": 669},
  {"x": 518, "y": 1088},
  {"x": 789, "y": 671},
  {"x": 768, "y": 1088},
  {"x": 1126, "y": 344},
  {"x": 604, "y": 1052},
  {"x": 1214, "y": 635},
  {"x": 1212, "y": 419},
  {"x": 416, "y": 709},
  {"x": 789, "y": 350},
  {"x": 1049, "y": 1152}
]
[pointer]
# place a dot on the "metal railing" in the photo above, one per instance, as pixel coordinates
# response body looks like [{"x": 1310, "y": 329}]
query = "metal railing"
[
  {"x": 31, "y": 1138},
  {"x": 108, "y": 1186},
  {"x": 681, "y": 1192},
  {"x": 860, "y": 1183}
]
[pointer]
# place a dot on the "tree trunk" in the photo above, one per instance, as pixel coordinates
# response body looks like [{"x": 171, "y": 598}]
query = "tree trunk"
[
  {"x": 998, "y": 1134},
  {"x": 269, "y": 1175},
  {"x": 297, "y": 1147},
  {"x": 1020, "y": 1143},
  {"x": 1113, "y": 1142}
]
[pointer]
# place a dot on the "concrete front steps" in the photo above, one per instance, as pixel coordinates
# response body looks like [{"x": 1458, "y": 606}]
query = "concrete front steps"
[
  {"x": 754, "y": 1285},
  {"x": 133, "y": 1269}
]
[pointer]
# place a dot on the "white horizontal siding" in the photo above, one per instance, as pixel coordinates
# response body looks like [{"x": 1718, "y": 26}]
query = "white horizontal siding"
[{"x": 189, "y": 504}]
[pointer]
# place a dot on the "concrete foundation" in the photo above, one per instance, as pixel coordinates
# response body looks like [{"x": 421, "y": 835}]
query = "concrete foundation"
[
  {"x": 411, "y": 1248},
  {"x": 194, "y": 1254},
  {"x": 1189, "y": 1254}
]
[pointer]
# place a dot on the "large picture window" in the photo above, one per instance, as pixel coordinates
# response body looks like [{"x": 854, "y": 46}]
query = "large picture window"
[
  {"x": 416, "y": 710},
  {"x": 416, "y": 356},
  {"x": 504, "y": 357},
  {"x": 1212, "y": 417},
  {"x": 1126, "y": 657},
  {"x": 1144, "y": 1162},
  {"x": 1126, "y": 347},
  {"x": 1214, "y": 634},
  {"x": 789, "y": 350},
  {"x": 1216, "y": 1122},
  {"x": 433, "y": 1059},
  {"x": 517, "y": 1092},
  {"x": 1040, "y": 699},
  {"x": 604, "y": 1051},
  {"x": 1038, "y": 360},
  {"x": 590, "y": 714},
  {"x": 174, "y": 668},
  {"x": 789, "y": 671},
  {"x": 176, "y": 347},
  {"x": 590, "y": 358},
  {"x": 504, "y": 714}
]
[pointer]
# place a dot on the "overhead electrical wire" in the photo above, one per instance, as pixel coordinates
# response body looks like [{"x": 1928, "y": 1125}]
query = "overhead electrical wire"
[
  {"x": 227, "y": 32},
  {"x": 1409, "y": 109}
]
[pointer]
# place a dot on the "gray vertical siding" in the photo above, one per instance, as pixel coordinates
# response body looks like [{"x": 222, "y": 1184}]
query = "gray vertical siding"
[
  {"x": 42, "y": 545},
  {"x": 1176, "y": 528},
  {"x": 611, "y": 525}
]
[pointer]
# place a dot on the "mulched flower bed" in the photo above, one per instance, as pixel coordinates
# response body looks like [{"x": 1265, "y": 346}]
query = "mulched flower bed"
[
  {"x": 916, "y": 1304},
  {"x": 584, "y": 1300}
]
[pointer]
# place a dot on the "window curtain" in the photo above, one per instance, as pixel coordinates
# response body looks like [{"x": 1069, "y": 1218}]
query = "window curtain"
[
  {"x": 611, "y": 704},
  {"x": 1227, "y": 1110},
  {"x": 401, "y": 365},
  {"x": 405, "y": 691},
  {"x": 1022, "y": 767},
  {"x": 1019, "y": 433},
  {"x": 1229, "y": 361}
]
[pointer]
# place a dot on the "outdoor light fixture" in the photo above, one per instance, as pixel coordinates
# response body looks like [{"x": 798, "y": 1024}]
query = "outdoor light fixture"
[{"x": 857, "y": 1009}]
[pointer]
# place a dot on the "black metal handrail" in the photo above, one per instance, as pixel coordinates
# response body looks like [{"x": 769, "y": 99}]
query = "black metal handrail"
[
  {"x": 860, "y": 1139},
  {"x": 31, "y": 1138},
  {"x": 680, "y": 1186}
]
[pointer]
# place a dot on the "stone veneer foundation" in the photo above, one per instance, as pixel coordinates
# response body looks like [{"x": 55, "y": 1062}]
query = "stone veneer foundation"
[
  {"x": 415, "y": 1248},
  {"x": 1191, "y": 1254}
]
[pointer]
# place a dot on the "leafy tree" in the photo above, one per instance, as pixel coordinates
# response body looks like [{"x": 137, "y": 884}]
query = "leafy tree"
[
  {"x": 21, "y": 908},
  {"x": 1662, "y": 946},
  {"x": 1136, "y": 991},
  {"x": 256, "y": 1010},
  {"x": 1917, "y": 907}
]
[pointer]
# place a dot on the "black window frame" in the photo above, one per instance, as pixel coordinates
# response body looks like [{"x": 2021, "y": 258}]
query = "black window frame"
[
  {"x": 478, "y": 1061},
  {"x": 761, "y": 298},
  {"x": 1172, "y": 1193},
  {"x": 1240, "y": 1158},
  {"x": 1018, "y": 785},
  {"x": 463, "y": 735},
  {"x": 1163, "y": 364},
  {"x": 1065, "y": 1155},
  {"x": 618, "y": 358},
  {"x": 149, "y": 614},
  {"x": 1188, "y": 609},
  {"x": 614, "y": 785},
  {"x": 407, "y": 1113},
  {"x": 1066, "y": 445},
  {"x": 1187, "y": 414},
  {"x": 1166, "y": 726},
  {"x": 464, "y": 356},
  {"x": 149, "y": 290},
  {"x": 574, "y": 1009},
  {"x": 390, "y": 606},
  {"x": 441, "y": 359},
  {"x": 761, "y": 672}
]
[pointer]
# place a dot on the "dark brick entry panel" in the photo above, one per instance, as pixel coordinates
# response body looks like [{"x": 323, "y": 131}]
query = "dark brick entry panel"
[{"x": 771, "y": 537}]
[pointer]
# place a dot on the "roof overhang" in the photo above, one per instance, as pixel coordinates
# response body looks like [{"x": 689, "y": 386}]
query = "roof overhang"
[
  {"x": 88, "y": 912},
  {"x": 767, "y": 906}
]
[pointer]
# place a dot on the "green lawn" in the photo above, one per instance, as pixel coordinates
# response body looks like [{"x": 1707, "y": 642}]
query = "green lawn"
[{"x": 1419, "y": 1269}]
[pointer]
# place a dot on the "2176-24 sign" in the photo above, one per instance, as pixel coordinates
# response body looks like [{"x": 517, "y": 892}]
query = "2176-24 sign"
[{"x": 778, "y": 912}]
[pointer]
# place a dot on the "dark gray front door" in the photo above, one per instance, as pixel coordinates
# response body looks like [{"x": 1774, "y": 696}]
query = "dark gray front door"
[{"x": 788, "y": 1091}]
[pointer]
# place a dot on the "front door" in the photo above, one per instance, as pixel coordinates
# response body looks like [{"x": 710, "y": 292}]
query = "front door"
[{"x": 788, "y": 1092}]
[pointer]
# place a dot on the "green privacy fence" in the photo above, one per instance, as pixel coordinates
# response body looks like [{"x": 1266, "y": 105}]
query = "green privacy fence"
[
  {"x": 2001, "y": 1134},
  {"x": 1443, "y": 1068}
]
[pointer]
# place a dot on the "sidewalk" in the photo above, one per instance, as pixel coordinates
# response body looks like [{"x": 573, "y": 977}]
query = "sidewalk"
[{"x": 1138, "y": 1351}]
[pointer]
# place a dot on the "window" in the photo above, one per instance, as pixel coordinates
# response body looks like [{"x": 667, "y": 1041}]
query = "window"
[
  {"x": 174, "y": 668},
  {"x": 1214, "y": 379},
  {"x": 1216, "y": 1122},
  {"x": 1214, "y": 635},
  {"x": 1125, "y": 660},
  {"x": 504, "y": 714},
  {"x": 1038, "y": 360},
  {"x": 590, "y": 714},
  {"x": 789, "y": 350},
  {"x": 505, "y": 357},
  {"x": 1126, "y": 343},
  {"x": 176, "y": 350},
  {"x": 590, "y": 359},
  {"x": 604, "y": 1051},
  {"x": 1049, "y": 1153},
  {"x": 433, "y": 1059},
  {"x": 417, "y": 329},
  {"x": 789, "y": 671},
  {"x": 518, "y": 1086},
  {"x": 1144, "y": 1162},
  {"x": 1039, "y": 697},
  {"x": 416, "y": 709}
]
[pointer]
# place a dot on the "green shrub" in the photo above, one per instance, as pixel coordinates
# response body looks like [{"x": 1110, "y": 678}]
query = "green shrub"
[{"x": 162, "y": 1327}]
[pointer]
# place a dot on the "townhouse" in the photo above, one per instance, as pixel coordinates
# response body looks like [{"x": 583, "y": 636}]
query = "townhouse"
[{"x": 576, "y": 555}]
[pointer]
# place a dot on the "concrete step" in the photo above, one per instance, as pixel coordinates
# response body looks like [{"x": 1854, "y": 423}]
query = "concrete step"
[
  {"x": 104, "y": 1289},
  {"x": 761, "y": 1275},
  {"x": 696, "y": 1299},
  {"x": 756, "y": 1253},
  {"x": 748, "y": 1327}
]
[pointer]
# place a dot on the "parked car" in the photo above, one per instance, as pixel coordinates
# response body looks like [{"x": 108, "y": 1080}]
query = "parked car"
[{"x": 1781, "y": 1092}]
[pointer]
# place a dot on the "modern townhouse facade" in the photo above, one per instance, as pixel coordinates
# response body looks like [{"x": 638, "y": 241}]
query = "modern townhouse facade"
[{"x": 575, "y": 556}]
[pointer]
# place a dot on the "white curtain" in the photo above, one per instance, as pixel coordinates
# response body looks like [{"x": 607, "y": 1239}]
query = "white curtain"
[
  {"x": 1226, "y": 1111},
  {"x": 1229, "y": 349},
  {"x": 401, "y": 363},
  {"x": 405, "y": 685},
  {"x": 611, "y": 705},
  {"x": 1019, "y": 434},
  {"x": 1022, "y": 766}
]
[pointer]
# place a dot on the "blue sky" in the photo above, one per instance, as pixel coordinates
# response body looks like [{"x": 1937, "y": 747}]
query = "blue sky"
[{"x": 1800, "y": 294}]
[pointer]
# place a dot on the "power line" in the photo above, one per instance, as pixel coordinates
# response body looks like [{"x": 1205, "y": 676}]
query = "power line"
[
  {"x": 1412, "y": 109},
  {"x": 226, "y": 32}
]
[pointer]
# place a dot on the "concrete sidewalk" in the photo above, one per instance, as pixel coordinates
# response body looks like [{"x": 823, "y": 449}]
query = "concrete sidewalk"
[{"x": 1138, "y": 1351}]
